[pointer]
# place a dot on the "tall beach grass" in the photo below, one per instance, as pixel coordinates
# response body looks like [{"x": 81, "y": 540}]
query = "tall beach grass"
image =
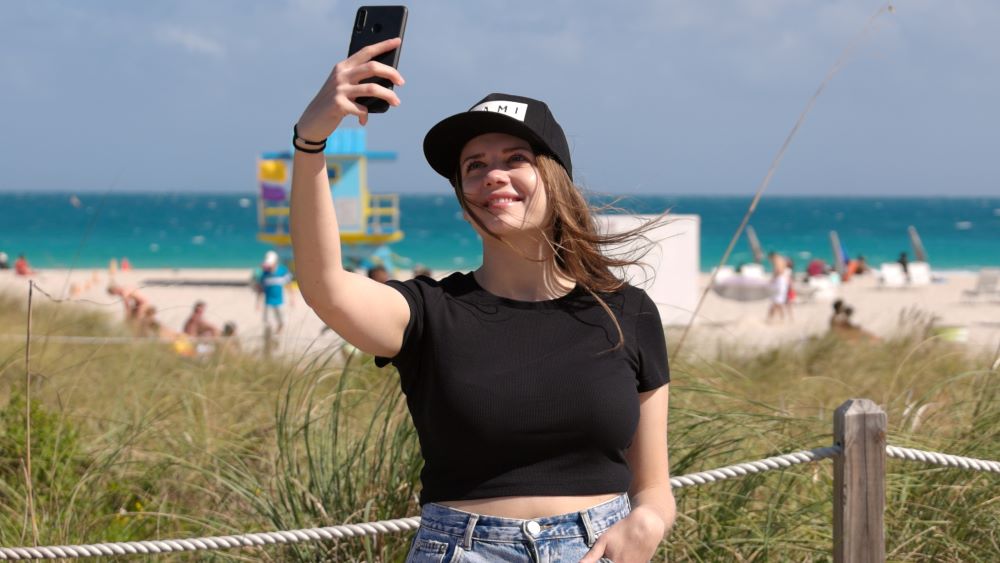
[{"x": 131, "y": 441}]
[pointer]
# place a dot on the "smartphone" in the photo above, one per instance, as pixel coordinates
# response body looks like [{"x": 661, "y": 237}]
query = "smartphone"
[{"x": 373, "y": 24}]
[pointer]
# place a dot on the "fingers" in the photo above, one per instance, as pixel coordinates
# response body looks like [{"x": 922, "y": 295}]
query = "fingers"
[
  {"x": 370, "y": 52},
  {"x": 373, "y": 69},
  {"x": 595, "y": 553},
  {"x": 373, "y": 90}
]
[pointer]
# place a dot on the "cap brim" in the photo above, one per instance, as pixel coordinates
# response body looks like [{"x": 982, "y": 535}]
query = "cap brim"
[{"x": 444, "y": 142}]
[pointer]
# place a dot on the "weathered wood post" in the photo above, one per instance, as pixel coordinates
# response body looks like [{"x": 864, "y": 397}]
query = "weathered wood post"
[{"x": 859, "y": 427}]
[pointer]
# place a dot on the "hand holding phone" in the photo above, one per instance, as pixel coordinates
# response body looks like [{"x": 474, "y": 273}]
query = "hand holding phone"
[
  {"x": 372, "y": 25},
  {"x": 350, "y": 81}
]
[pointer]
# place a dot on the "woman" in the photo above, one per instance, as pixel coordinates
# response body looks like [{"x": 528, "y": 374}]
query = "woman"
[{"x": 538, "y": 384}]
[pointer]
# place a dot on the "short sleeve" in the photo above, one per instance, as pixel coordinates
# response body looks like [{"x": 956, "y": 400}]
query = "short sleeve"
[
  {"x": 408, "y": 353},
  {"x": 651, "y": 347}
]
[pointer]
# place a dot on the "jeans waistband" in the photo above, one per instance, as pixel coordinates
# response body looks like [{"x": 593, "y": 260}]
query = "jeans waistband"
[{"x": 586, "y": 523}]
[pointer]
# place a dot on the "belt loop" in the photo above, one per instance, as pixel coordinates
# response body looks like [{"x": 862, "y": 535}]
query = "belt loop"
[
  {"x": 588, "y": 527},
  {"x": 469, "y": 527}
]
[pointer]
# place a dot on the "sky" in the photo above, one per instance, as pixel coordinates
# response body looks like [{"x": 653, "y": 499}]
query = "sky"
[{"x": 671, "y": 97}]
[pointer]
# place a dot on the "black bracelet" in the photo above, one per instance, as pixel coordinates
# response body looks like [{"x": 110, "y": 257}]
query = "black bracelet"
[
  {"x": 295, "y": 136},
  {"x": 310, "y": 150}
]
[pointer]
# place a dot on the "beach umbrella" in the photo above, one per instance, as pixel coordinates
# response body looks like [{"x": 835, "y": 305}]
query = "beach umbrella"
[
  {"x": 918, "y": 247},
  {"x": 741, "y": 288},
  {"x": 838, "y": 252},
  {"x": 758, "y": 253}
]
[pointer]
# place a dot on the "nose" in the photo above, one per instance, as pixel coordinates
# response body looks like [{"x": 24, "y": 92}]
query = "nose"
[{"x": 495, "y": 176}]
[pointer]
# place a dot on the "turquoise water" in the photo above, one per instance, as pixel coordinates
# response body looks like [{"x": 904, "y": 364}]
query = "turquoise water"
[{"x": 193, "y": 230}]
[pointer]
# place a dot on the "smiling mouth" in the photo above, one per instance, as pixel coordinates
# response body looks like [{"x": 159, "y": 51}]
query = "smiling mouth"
[{"x": 501, "y": 202}]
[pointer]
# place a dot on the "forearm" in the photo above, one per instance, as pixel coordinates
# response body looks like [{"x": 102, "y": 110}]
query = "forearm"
[{"x": 314, "y": 230}]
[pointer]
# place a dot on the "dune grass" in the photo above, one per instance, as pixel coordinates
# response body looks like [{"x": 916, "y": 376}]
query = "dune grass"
[{"x": 134, "y": 442}]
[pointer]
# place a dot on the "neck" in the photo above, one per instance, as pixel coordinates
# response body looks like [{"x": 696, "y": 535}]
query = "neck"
[{"x": 526, "y": 272}]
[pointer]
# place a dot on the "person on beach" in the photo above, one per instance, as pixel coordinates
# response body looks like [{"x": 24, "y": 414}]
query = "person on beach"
[
  {"x": 841, "y": 324},
  {"x": 781, "y": 281},
  {"x": 197, "y": 326},
  {"x": 904, "y": 262},
  {"x": 271, "y": 283},
  {"x": 22, "y": 268},
  {"x": 4, "y": 261},
  {"x": 538, "y": 384},
  {"x": 378, "y": 273},
  {"x": 134, "y": 302}
]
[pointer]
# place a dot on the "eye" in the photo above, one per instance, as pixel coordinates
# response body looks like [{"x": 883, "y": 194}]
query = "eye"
[
  {"x": 473, "y": 165},
  {"x": 518, "y": 157}
]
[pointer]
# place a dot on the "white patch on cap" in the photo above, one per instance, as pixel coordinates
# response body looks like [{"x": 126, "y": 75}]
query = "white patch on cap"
[{"x": 517, "y": 110}]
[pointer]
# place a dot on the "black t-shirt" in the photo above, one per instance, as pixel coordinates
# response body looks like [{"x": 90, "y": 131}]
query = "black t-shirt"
[{"x": 513, "y": 398}]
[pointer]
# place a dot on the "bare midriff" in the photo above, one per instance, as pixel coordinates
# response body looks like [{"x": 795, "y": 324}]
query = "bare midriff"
[{"x": 528, "y": 508}]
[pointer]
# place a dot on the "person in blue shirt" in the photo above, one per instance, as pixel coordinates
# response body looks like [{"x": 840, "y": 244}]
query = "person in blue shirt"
[{"x": 271, "y": 284}]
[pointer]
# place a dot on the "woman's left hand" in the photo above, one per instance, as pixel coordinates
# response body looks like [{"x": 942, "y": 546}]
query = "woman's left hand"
[{"x": 632, "y": 540}]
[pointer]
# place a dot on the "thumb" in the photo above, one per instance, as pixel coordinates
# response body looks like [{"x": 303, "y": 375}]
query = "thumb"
[{"x": 595, "y": 553}]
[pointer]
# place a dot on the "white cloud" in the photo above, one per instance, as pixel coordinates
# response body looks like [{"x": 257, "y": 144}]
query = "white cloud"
[{"x": 190, "y": 41}]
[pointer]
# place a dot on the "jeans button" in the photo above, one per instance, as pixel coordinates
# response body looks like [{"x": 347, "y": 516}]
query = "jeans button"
[{"x": 533, "y": 528}]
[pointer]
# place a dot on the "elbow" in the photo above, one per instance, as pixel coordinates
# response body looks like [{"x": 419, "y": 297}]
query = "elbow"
[
  {"x": 318, "y": 300},
  {"x": 318, "y": 291}
]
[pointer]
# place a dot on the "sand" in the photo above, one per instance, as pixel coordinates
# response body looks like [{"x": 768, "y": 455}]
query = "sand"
[{"x": 720, "y": 323}]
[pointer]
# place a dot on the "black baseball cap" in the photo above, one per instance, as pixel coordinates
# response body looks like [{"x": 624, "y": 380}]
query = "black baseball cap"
[{"x": 521, "y": 117}]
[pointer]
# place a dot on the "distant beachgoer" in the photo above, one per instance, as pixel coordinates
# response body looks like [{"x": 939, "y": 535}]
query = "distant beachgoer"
[
  {"x": 838, "y": 319},
  {"x": 22, "y": 268},
  {"x": 126, "y": 266},
  {"x": 421, "y": 270},
  {"x": 842, "y": 326},
  {"x": 781, "y": 280},
  {"x": 197, "y": 326},
  {"x": 229, "y": 342},
  {"x": 379, "y": 274},
  {"x": 151, "y": 327},
  {"x": 863, "y": 267},
  {"x": 904, "y": 261},
  {"x": 271, "y": 283},
  {"x": 4, "y": 261},
  {"x": 133, "y": 301}
]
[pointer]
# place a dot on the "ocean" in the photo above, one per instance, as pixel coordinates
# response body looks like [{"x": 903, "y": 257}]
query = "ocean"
[{"x": 86, "y": 230}]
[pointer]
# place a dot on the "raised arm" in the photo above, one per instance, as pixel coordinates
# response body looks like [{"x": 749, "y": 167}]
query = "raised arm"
[{"x": 370, "y": 315}]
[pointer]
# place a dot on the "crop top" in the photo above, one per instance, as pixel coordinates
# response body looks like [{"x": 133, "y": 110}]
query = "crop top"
[{"x": 522, "y": 398}]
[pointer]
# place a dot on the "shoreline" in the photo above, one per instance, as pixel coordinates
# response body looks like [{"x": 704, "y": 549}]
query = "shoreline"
[{"x": 720, "y": 323}]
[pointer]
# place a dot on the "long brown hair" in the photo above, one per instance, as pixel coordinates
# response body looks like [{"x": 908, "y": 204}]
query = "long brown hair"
[{"x": 582, "y": 251}]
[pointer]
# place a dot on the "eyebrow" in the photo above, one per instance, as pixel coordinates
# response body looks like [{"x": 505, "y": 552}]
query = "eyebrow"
[{"x": 505, "y": 151}]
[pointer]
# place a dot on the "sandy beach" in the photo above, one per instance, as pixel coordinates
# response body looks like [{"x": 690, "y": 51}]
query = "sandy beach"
[{"x": 720, "y": 323}]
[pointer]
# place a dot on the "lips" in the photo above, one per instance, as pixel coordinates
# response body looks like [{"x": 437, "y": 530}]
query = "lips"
[{"x": 501, "y": 201}]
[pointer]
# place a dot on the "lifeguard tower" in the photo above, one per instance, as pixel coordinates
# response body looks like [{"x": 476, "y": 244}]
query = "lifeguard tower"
[{"x": 368, "y": 222}]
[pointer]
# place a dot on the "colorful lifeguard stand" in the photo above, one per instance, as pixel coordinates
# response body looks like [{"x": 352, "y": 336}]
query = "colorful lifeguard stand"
[{"x": 368, "y": 222}]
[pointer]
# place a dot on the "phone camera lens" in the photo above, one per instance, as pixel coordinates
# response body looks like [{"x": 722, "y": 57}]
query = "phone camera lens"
[
  {"x": 377, "y": 28},
  {"x": 359, "y": 22}
]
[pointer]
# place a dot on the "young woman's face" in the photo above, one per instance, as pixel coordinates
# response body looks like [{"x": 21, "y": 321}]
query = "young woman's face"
[{"x": 501, "y": 184}]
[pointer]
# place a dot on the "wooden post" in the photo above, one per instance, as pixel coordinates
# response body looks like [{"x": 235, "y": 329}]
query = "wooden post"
[{"x": 859, "y": 427}]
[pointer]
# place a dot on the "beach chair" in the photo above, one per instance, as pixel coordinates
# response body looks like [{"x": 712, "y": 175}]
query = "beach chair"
[
  {"x": 753, "y": 270},
  {"x": 891, "y": 275},
  {"x": 987, "y": 285},
  {"x": 920, "y": 273},
  {"x": 822, "y": 288},
  {"x": 724, "y": 272}
]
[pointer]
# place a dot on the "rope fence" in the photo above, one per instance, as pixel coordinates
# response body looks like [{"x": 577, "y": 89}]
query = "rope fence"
[
  {"x": 946, "y": 460},
  {"x": 263, "y": 539}
]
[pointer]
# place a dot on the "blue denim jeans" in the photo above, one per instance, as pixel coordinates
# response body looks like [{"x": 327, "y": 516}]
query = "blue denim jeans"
[{"x": 451, "y": 535}]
